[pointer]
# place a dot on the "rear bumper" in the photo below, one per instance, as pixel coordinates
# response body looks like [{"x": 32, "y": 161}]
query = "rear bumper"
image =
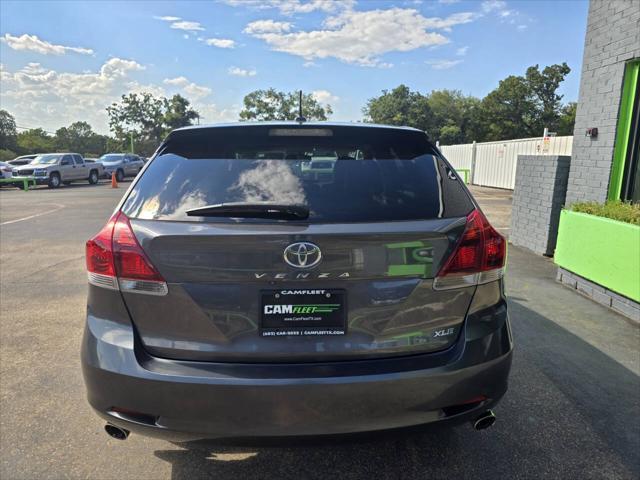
[{"x": 184, "y": 401}]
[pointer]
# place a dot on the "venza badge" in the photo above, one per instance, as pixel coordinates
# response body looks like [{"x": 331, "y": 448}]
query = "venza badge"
[{"x": 302, "y": 255}]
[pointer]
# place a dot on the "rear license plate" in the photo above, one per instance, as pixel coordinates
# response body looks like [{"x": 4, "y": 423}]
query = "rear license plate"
[{"x": 303, "y": 312}]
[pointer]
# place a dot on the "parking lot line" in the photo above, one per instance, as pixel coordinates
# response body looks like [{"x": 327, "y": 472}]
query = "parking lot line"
[{"x": 58, "y": 207}]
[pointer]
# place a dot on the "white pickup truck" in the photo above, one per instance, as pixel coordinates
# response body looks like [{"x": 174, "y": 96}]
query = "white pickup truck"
[{"x": 54, "y": 169}]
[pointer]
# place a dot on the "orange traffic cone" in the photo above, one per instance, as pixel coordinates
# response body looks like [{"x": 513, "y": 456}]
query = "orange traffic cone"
[{"x": 114, "y": 182}]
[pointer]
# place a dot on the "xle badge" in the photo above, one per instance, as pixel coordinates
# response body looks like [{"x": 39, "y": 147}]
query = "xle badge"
[{"x": 443, "y": 333}]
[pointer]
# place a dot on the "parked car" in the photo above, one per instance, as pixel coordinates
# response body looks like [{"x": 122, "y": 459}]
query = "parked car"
[
  {"x": 5, "y": 170},
  {"x": 22, "y": 160},
  {"x": 54, "y": 169},
  {"x": 231, "y": 297},
  {"x": 122, "y": 164},
  {"x": 97, "y": 163}
]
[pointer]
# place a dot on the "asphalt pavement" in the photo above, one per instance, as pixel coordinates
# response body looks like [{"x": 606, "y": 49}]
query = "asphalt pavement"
[{"x": 572, "y": 410}]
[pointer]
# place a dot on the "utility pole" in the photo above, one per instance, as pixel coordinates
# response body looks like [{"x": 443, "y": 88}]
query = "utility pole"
[{"x": 131, "y": 136}]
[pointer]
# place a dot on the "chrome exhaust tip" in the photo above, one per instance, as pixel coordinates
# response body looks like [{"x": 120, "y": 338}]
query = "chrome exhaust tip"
[
  {"x": 486, "y": 420},
  {"x": 116, "y": 432}
]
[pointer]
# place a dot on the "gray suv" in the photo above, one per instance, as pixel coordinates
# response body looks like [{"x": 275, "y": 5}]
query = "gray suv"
[
  {"x": 232, "y": 294},
  {"x": 122, "y": 164}
]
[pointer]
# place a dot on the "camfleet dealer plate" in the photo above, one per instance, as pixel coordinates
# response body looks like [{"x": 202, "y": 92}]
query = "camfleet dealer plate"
[{"x": 303, "y": 312}]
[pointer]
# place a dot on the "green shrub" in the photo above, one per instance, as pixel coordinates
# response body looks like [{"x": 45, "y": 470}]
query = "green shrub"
[{"x": 617, "y": 210}]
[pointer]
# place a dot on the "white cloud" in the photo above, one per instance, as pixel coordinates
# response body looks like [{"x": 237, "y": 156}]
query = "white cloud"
[
  {"x": 291, "y": 7},
  {"x": 117, "y": 67},
  {"x": 443, "y": 64},
  {"x": 178, "y": 81},
  {"x": 178, "y": 23},
  {"x": 241, "y": 72},
  {"x": 522, "y": 27},
  {"x": 267, "y": 26},
  {"x": 48, "y": 98},
  {"x": 324, "y": 96},
  {"x": 168, "y": 19},
  {"x": 493, "y": 5},
  {"x": 194, "y": 91},
  {"x": 220, "y": 42},
  {"x": 211, "y": 113},
  {"x": 448, "y": 2},
  {"x": 499, "y": 8},
  {"x": 190, "y": 89},
  {"x": 361, "y": 37},
  {"x": 187, "y": 26},
  {"x": 462, "y": 51},
  {"x": 35, "y": 44},
  {"x": 450, "y": 21}
]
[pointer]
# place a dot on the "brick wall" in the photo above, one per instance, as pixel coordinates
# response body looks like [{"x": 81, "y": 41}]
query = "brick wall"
[
  {"x": 613, "y": 38},
  {"x": 623, "y": 305},
  {"x": 538, "y": 197}
]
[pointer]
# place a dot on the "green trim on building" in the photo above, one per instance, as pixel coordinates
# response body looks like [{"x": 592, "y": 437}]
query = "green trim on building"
[
  {"x": 623, "y": 129},
  {"x": 601, "y": 250}
]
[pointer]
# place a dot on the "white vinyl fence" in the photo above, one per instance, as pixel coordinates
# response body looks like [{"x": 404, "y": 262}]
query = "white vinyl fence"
[{"x": 493, "y": 164}]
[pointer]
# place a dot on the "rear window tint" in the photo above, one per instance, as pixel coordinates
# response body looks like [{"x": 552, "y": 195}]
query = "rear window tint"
[{"x": 342, "y": 174}]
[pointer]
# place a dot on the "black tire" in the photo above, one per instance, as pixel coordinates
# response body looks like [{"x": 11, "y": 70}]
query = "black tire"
[
  {"x": 93, "y": 177},
  {"x": 119, "y": 175},
  {"x": 54, "y": 180}
]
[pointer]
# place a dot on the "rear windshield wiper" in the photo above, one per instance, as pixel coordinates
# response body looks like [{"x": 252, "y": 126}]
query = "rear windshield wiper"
[{"x": 252, "y": 210}]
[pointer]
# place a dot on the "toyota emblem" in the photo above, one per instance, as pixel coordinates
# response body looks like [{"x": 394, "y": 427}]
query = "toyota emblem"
[{"x": 302, "y": 255}]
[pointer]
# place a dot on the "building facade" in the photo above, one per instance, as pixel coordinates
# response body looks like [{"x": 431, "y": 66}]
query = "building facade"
[{"x": 604, "y": 165}]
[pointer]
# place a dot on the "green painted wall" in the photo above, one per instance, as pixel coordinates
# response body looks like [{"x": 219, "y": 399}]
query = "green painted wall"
[{"x": 604, "y": 251}]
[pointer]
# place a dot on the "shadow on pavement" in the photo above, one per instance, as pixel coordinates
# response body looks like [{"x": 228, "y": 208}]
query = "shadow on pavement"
[{"x": 571, "y": 412}]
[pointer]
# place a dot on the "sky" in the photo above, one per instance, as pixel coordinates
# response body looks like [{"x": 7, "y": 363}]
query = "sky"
[{"x": 66, "y": 61}]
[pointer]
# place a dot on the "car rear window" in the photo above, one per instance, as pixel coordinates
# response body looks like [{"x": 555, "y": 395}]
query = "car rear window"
[{"x": 342, "y": 174}]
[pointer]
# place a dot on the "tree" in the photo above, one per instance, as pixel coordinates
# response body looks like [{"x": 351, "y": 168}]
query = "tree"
[
  {"x": 544, "y": 86},
  {"x": 450, "y": 135},
  {"x": 567, "y": 119},
  {"x": 35, "y": 140},
  {"x": 509, "y": 110},
  {"x": 8, "y": 132},
  {"x": 400, "y": 106},
  {"x": 6, "y": 154},
  {"x": 455, "y": 117},
  {"x": 275, "y": 105},
  {"x": 147, "y": 119},
  {"x": 178, "y": 113},
  {"x": 520, "y": 107},
  {"x": 79, "y": 137},
  {"x": 523, "y": 106}
]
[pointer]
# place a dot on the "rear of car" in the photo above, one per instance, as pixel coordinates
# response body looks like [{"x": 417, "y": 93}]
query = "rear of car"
[{"x": 295, "y": 279}]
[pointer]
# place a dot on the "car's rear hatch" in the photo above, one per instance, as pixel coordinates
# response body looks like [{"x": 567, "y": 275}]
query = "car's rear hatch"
[{"x": 353, "y": 280}]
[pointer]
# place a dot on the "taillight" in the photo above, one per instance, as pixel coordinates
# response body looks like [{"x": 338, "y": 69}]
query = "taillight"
[
  {"x": 115, "y": 260},
  {"x": 479, "y": 256}
]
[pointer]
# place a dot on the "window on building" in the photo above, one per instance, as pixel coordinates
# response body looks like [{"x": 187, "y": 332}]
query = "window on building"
[
  {"x": 625, "y": 173},
  {"x": 631, "y": 173}
]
